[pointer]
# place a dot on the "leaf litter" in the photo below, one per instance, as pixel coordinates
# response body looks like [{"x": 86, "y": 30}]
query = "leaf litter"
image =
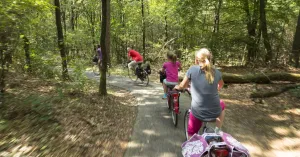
[{"x": 37, "y": 119}]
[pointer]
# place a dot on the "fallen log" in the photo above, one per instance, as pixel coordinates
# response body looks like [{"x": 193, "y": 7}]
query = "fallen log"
[
  {"x": 273, "y": 93},
  {"x": 261, "y": 78}
]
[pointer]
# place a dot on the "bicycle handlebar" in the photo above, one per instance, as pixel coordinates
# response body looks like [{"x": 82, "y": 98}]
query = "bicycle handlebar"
[{"x": 184, "y": 90}]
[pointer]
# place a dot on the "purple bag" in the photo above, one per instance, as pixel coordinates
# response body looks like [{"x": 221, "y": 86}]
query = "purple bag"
[{"x": 198, "y": 146}]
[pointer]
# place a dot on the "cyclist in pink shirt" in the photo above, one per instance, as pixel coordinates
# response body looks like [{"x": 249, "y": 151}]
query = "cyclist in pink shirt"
[{"x": 171, "y": 69}]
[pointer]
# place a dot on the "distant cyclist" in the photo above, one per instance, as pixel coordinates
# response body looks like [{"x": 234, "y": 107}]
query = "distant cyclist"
[
  {"x": 205, "y": 82},
  {"x": 135, "y": 58},
  {"x": 170, "y": 68}
]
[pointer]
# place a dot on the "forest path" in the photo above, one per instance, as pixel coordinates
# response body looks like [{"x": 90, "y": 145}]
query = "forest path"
[{"x": 154, "y": 134}]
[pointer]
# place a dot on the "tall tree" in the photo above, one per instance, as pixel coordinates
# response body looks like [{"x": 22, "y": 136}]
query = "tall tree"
[
  {"x": 264, "y": 30},
  {"x": 215, "y": 33},
  {"x": 144, "y": 28},
  {"x": 105, "y": 44},
  {"x": 166, "y": 21},
  {"x": 296, "y": 43},
  {"x": 60, "y": 40},
  {"x": 27, "y": 54},
  {"x": 252, "y": 19}
]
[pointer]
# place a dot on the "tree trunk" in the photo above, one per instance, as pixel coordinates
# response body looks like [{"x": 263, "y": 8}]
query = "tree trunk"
[
  {"x": 214, "y": 41},
  {"x": 264, "y": 30},
  {"x": 60, "y": 40},
  {"x": 93, "y": 24},
  {"x": 166, "y": 21},
  {"x": 2, "y": 71},
  {"x": 27, "y": 54},
  {"x": 105, "y": 44},
  {"x": 261, "y": 78},
  {"x": 268, "y": 94},
  {"x": 64, "y": 17},
  {"x": 252, "y": 45},
  {"x": 144, "y": 30},
  {"x": 72, "y": 20},
  {"x": 296, "y": 44}
]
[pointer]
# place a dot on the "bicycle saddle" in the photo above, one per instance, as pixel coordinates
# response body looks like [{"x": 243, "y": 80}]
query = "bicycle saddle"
[{"x": 171, "y": 86}]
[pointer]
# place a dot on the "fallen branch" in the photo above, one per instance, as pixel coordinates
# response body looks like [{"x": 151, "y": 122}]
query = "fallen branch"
[
  {"x": 261, "y": 78},
  {"x": 274, "y": 93}
]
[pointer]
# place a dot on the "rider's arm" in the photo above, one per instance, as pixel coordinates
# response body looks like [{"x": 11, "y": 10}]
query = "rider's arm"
[
  {"x": 128, "y": 56},
  {"x": 184, "y": 84},
  {"x": 220, "y": 84}
]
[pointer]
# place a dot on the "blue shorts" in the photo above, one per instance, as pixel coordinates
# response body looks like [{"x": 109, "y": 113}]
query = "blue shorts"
[{"x": 170, "y": 83}]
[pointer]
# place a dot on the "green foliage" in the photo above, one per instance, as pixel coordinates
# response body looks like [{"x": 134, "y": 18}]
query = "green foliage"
[
  {"x": 79, "y": 77},
  {"x": 171, "y": 25}
]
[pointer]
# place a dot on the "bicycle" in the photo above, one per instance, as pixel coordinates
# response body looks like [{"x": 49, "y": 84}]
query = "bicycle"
[
  {"x": 96, "y": 69},
  {"x": 205, "y": 129},
  {"x": 140, "y": 73},
  {"x": 218, "y": 148},
  {"x": 173, "y": 103}
]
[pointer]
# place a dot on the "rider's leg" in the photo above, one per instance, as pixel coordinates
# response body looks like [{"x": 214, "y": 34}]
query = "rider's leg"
[
  {"x": 194, "y": 125},
  {"x": 220, "y": 119},
  {"x": 131, "y": 65},
  {"x": 165, "y": 89}
]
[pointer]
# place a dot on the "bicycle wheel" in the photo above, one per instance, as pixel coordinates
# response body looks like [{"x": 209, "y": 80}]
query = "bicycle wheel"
[
  {"x": 174, "y": 115},
  {"x": 169, "y": 102},
  {"x": 146, "y": 78},
  {"x": 96, "y": 69},
  {"x": 186, "y": 123}
]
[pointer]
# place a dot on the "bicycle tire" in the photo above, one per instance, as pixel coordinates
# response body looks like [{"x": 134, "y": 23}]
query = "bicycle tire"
[
  {"x": 146, "y": 78},
  {"x": 174, "y": 115},
  {"x": 186, "y": 123},
  {"x": 168, "y": 102}
]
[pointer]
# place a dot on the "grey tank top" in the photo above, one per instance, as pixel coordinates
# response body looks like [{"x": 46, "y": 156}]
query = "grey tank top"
[{"x": 205, "y": 96}]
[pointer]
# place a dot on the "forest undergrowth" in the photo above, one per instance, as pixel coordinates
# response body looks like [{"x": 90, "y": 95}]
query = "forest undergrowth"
[{"x": 52, "y": 118}]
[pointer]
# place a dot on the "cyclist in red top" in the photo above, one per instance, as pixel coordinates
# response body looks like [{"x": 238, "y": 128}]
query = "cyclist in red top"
[{"x": 135, "y": 58}]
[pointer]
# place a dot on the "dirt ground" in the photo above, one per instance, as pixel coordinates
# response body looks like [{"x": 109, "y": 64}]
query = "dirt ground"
[
  {"x": 267, "y": 127},
  {"x": 48, "y": 118}
]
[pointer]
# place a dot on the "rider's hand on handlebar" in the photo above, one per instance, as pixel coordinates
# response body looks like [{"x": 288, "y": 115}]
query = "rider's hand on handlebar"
[{"x": 177, "y": 87}]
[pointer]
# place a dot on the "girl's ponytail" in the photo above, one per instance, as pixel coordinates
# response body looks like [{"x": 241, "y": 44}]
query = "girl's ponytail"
[{"x": 204, "y": 58}]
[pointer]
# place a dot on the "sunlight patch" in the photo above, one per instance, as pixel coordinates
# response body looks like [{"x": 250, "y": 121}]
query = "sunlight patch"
[
  {"x": 167, "y": 117},
  {"x": 134, "y": 145},
  {"x": 281, "y": 131},
  {"x": 286, "y": 143},
  {"x": 295, "y": 111},
  {"x": 167, "y": 154},
  {"x": 287, "y": 153},
  {"x": 279, "y": 118},
  {"x": 253, "y": 148},
  {"x": 150, "y": 132},
  {"x": 71, "y": 138}
]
